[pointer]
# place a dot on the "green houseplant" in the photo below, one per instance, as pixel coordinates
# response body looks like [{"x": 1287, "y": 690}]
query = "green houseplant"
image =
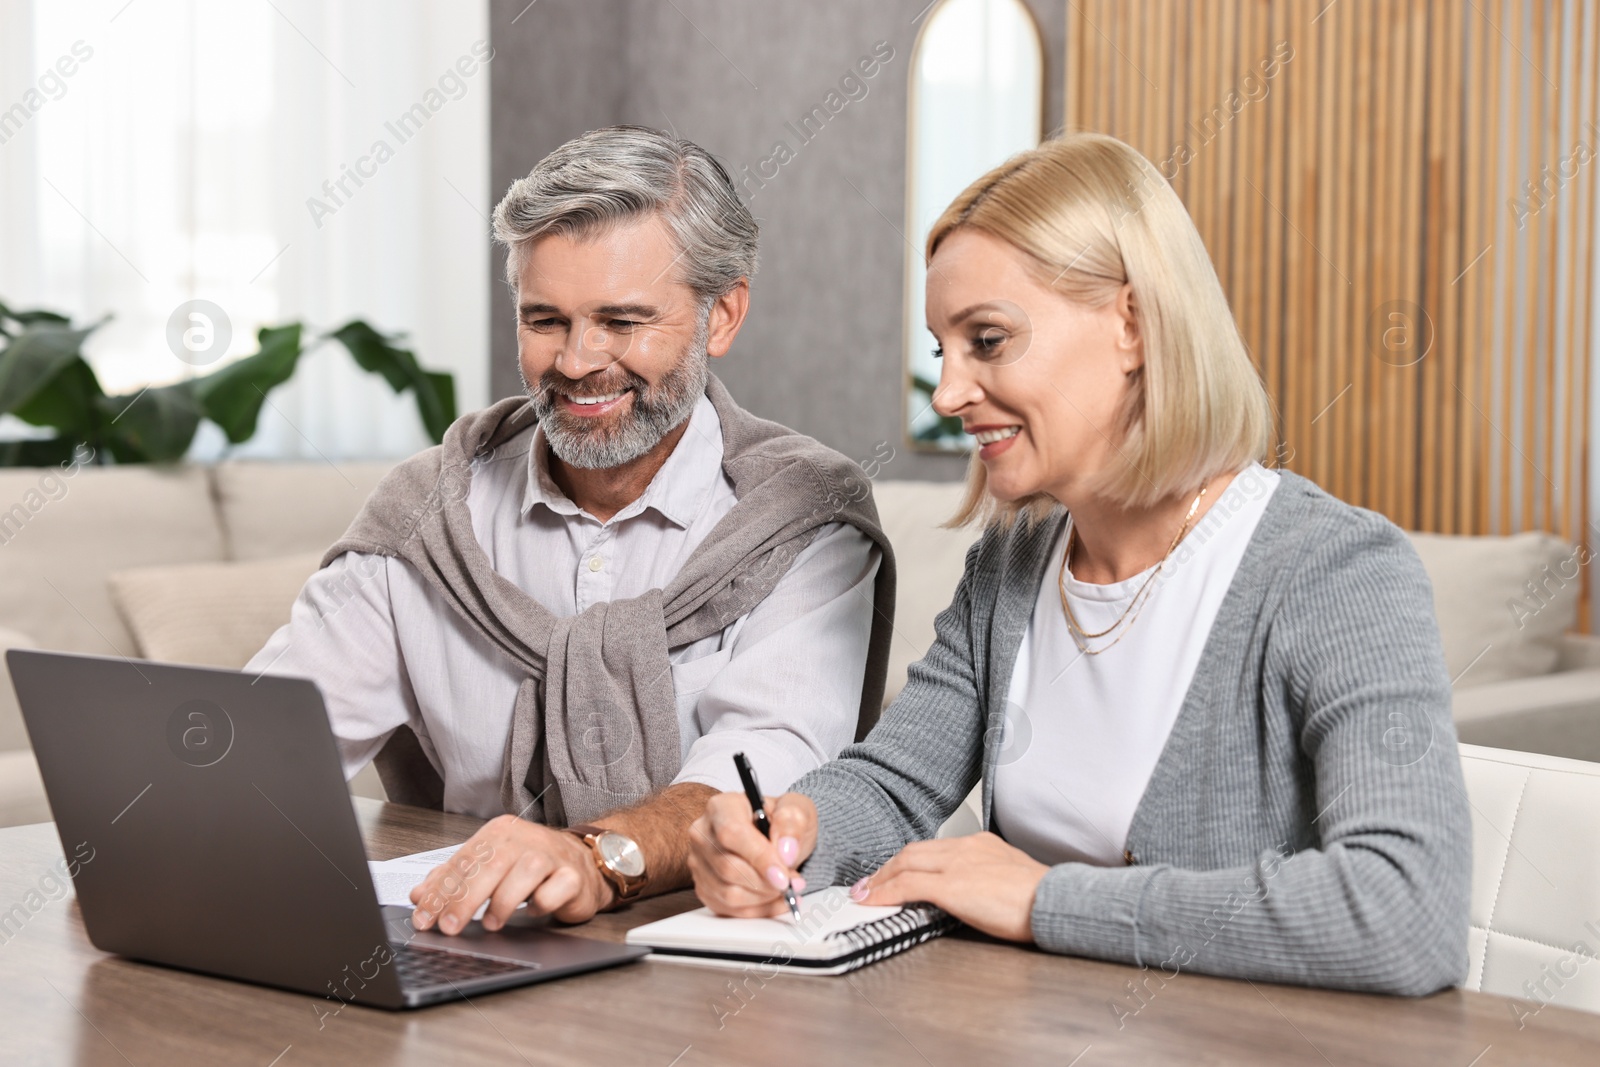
[{"x": 45, "y": 381}]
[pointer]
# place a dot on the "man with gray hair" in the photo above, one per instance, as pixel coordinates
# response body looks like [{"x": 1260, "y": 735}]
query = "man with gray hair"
[{"x": 569, "y": 616}]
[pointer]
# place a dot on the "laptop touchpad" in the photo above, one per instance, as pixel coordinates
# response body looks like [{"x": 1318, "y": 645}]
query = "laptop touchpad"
[{"x": 526, "y": 940}]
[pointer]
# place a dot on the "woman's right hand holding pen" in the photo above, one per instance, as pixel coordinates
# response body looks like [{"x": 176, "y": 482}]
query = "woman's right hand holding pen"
[{"x": 739, "y": 872}]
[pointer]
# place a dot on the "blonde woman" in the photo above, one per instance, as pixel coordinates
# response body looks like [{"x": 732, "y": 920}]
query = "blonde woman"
[{"x": 1207, "y": 701}]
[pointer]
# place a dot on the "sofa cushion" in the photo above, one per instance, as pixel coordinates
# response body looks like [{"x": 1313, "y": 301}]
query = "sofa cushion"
[
  {"x": 270, "y": 510},
  {"x": 60, "y": 536},
  {"x": 929, "y": 561},
  {"x": 212, "y": 614},
  {"x": 13, "y": 734},
  {"x": 1556, "y": 713},
  {"x": 1489, "y": 618},
  {"x": 22, "y": 798}
]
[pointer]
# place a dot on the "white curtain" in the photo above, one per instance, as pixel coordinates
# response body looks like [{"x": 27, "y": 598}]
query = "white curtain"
[{"x": 231, "y": 153}]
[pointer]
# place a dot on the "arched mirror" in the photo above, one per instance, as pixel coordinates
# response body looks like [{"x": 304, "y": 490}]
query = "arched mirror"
[{"x": 977, "y": 97}]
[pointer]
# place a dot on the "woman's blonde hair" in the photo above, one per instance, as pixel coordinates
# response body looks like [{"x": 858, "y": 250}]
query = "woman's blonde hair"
[{"x": 1095, "y": 215}]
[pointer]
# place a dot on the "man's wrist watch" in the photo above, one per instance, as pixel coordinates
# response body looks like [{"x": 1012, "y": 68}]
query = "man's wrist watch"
[{"x": 619, "y": 858}]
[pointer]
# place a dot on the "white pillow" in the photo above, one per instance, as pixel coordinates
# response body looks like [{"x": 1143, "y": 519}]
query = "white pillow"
[
  {"x": 211, "y": 614},
  {"x": 1490, "y": 620}
]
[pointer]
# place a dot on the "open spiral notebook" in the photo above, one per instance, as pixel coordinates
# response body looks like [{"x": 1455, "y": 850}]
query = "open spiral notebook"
[{"x": 833, "y": 935}]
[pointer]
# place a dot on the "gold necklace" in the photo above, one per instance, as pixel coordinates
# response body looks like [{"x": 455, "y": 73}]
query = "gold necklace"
[{"x": 1080, "y": 636}]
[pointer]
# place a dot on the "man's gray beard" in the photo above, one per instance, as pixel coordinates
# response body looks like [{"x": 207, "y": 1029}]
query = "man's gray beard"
[{"x": 654, "y": 411}]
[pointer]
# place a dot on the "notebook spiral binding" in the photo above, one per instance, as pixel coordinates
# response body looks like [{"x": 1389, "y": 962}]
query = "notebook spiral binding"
[{"x": 894, "y": 933}]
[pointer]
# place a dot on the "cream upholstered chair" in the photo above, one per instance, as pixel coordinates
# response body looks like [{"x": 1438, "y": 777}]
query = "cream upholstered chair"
[{"x": 1535, "y": 932}]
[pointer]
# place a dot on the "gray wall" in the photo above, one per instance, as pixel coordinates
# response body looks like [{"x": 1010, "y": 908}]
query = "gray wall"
[{"x": 821, "y": 350}]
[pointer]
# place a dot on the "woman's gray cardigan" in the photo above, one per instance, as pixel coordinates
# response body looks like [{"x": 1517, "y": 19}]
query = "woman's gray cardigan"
[{"x": 1306, "y": 821}]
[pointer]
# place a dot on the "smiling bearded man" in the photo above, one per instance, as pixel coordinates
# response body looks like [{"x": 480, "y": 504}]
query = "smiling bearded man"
[{"x": 570, "y": 615}]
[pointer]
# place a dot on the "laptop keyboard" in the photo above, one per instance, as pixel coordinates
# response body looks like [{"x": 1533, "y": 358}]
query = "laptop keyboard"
[{"x": 420, "y": 966}]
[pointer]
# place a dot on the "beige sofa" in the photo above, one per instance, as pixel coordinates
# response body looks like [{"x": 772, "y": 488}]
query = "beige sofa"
[{"x": 200, "y": 564}]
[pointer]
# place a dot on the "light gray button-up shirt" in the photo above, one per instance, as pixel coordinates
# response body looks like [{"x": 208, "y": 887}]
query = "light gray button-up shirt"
[{"x": 781, "y": 684}]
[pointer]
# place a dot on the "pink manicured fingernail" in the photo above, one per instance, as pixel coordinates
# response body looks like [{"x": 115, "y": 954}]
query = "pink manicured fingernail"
[
  {"x": 798, "y": 883},
  {"x": 776, "y": 877},
  {"x": 788, "y": 850},
  {"x": 859, "y": 890}
]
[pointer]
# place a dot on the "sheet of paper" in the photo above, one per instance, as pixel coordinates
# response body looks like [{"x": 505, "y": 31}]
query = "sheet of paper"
[{"x": 394, "y": 879}]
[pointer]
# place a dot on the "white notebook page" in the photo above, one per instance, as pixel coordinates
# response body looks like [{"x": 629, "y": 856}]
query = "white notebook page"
[{"x": 823, "y": 913}]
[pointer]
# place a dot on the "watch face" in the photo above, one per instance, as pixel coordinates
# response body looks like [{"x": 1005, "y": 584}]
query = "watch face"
[{"x": 621, "y": 854}]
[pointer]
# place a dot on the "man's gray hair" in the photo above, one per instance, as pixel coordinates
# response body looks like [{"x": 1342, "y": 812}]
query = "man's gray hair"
[{"x": 621, "y": 173}]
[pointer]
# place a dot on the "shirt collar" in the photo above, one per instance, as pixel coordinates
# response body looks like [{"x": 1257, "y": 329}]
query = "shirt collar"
[{"x": 676, "y": 492}]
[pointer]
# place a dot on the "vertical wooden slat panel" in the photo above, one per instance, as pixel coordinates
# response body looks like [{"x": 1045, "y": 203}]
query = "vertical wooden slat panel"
[
  {"x": 1573, "y": 47},
  {"x": 1092, "y": 83},
  {"x": 1072, "y": 68},
  {"x": 1375, "y": 426},
  {"x": 1586, "y": 347},
  {"x": 1309, "y": 130},
  {"x": 1333, "y": 193},
  {"x": 1270, "y": 265},
  {"x": 1126, "y": 116},
  {"x": 1446, "y": 354},
  {"x": 1380, "y": 255},
  {"x": 1496, "y": 155},
  {"x": 1130, "y": 91},
  {"x": 1479, "y": 131},
  {"x": 1147, "y": 38},
  {"x": 1200, "y": 93},
  {"x": 1531, "y": 469},
  {"x": 1242, "y": 149},
  {"x": 1184, "y": 49},
  {"x": 1226, "y": 143},
  {"x": 1436, "y": 263},
  {"x": 1415, "y": 205},
  {"x": 1402, "y": 218},
  {"x": 1543, "y": 479},
  {"x": 1171, "y": 76},
  {"x": 1354, "y": 423},
  {"x": 1103, "y": 92},
  {"x": 1515, "y": 77},
  {"x": 1350, "y": 148}
]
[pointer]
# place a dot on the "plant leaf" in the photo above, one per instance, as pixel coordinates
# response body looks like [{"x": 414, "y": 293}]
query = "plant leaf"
[
  {"x": 29, "y": 318},
  {"x": 68, "y": 402},
  {"x": 435, "y": 391},
  {"x": 155, "y": 426},
  {"x": 232, "y": 397},
  {"x": 33, "y": 358},
  {"x": 948, "y": 430}
]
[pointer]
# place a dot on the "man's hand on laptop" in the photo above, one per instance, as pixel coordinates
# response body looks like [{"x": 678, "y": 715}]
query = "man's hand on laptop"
[{"x": 508, "y": 861}]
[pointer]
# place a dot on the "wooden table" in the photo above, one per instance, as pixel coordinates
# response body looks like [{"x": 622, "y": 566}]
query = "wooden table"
[{"x": 962, "y": 999}]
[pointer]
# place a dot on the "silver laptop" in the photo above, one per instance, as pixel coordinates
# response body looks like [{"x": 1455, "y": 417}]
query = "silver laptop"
[{"x": 207, "y": 825}]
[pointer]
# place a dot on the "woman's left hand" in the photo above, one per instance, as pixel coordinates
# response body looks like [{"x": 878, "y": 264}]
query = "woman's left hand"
[{"x": 980, "y": 879}]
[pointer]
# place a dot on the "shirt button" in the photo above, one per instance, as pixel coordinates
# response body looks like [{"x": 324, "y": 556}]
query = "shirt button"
[{"x": 596, "y": 563}]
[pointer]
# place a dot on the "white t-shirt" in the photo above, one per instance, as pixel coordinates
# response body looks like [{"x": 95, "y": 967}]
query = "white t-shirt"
[{"x": 1083, "y": 733}]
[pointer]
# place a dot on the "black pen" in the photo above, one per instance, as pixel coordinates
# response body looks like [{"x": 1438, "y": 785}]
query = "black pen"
[{"x": 747, "y": 775}]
